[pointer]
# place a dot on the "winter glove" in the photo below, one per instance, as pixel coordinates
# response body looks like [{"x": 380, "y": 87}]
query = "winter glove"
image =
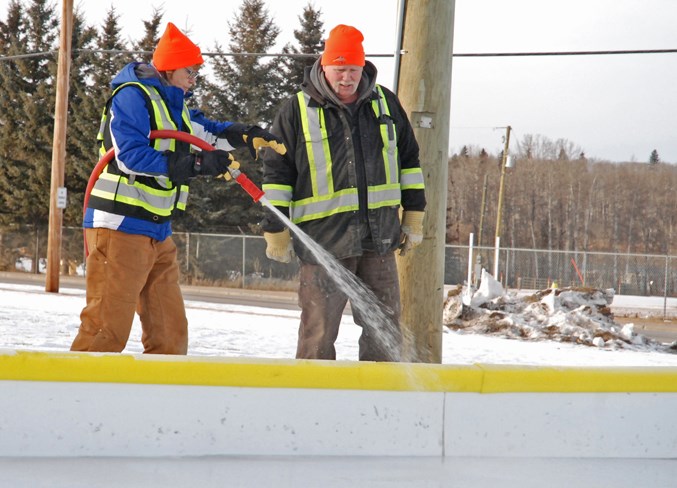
[
  {"x": 214, "y": 163},
  {"x": 253, "y": 137},
  {"x": 411, "y": 231},
  {"x": 180, "y": 167},
  {"x": 279, "y": 246}
]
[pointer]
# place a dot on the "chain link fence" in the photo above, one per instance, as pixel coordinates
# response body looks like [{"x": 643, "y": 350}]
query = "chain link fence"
[
  {"x": 239, "y": 261},
  {"x": 627, "y": 274}
]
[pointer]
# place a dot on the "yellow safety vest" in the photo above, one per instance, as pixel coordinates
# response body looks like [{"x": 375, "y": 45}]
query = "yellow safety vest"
[
  {"x": 325, "y": 200},
  {"x": 146, "y": 197}
]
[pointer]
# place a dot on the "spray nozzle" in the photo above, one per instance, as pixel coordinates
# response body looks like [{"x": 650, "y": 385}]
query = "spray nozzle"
[
  {"x": 247, "y": 185},
  {"x": 234, "y": 172}
]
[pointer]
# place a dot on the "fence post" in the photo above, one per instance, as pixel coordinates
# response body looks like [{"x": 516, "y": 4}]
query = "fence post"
[
  {"x": 469, "y": 285},
  {"x": 665, "y": 288},
  {"x": 188, "y": 253},
  {"x": 36, "y": 262},
  {"x": 497, "y": 248},
  {"x": 244, "y": 259}
]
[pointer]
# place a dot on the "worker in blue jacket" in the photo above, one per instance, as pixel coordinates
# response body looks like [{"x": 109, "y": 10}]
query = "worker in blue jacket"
[{"x": 132, "y": 265}]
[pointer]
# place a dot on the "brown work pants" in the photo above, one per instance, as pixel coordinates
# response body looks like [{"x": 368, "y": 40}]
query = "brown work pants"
[
  {"x": 322, "y": 303},
  {"x": 129, "y": 273}
]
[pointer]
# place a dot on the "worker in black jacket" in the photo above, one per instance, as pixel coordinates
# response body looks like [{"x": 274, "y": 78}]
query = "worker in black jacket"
[{"x": 351, "y": 169}]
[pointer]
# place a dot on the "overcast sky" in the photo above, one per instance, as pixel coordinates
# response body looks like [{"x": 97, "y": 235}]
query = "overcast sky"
[{"x": 615, "y": 107}]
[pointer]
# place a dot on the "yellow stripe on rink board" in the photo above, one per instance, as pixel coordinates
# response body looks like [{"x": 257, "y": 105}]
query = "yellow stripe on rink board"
[
  {"x": 352, "y": 375},
  {"x": 504, "y": 379}
]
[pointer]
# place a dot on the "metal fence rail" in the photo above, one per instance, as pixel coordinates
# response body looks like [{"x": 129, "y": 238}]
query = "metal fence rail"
[
  {"x": 627, "y": 274},
  {"x": 240, "y": 261}
]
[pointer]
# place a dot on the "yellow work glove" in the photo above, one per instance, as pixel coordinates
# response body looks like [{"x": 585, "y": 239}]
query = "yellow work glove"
[
  {"x": 256, "y": 138},
  {"x": 411, "y": 230},
  {"x": 279, "y": 246},
  {"x": 253, "y": 138}
]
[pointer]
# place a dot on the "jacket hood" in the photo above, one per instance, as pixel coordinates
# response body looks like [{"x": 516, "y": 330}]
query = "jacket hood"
[
  {"x": 316, "y": 86},
  {"x": 146, "y": 74},
  {"x": 137, "y": 72}
]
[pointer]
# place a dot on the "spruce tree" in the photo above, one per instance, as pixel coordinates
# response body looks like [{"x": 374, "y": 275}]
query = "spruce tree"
[
  {"x": 151, "y": 36},
  {"x": 83, "y": 112},
  {"x": 246, "y": 89},
  {"x": 28, "y": 96},
  {"x": 654, "y": 158},
  {"x": 311, "y": 44},
  {"x": 92, "y": 69}
]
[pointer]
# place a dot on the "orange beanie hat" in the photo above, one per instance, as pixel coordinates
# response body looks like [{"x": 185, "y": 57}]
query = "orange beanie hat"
[
  {"x": 344, "y": 46},
  {"x": 175, "y": 50}
]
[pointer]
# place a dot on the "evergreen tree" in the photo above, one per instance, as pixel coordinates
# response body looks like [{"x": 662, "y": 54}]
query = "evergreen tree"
[
  {"x": 82, "y": 118},
  {"x": 108, "y": 64},
  {"x": 28, "y": 96},
  {"x": 90, "y": 93},
  {"x": 247, "y": 89},
  {"x": 653, "y": 158},
  {"x": 151, "y": 36},
  {"x": 310, "y": 42}
]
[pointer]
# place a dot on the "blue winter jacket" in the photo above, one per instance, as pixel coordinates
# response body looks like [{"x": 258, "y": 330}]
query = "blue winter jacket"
[{"x": 130, "y": 128}]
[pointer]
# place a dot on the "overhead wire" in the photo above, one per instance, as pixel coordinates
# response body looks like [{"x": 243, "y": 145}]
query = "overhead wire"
[{"x": 375, "y": 55}]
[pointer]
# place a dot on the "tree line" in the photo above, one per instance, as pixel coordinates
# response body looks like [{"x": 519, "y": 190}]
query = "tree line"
[{"x": 555, "y": 198}]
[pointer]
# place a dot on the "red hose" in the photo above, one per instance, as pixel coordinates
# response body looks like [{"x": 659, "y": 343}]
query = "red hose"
[{"x": 245, "y": 182}]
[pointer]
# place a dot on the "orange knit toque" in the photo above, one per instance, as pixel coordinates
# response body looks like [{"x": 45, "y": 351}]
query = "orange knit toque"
[
  {"x": 175, "y": 50},
  {"x": 343, "y": 47}
]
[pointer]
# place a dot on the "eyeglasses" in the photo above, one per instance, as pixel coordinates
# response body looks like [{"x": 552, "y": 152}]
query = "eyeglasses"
[{"x": 192, "y": 73}]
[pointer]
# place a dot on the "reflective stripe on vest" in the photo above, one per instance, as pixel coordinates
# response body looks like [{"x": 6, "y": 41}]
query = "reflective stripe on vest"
[
  {"x": 325, "y": 200},
  {"x": 158, "y": 202},
  {"x": 412, "y": 179},
  {"x": 278, "y": 195},
  {"x": 131, "y": 190}
]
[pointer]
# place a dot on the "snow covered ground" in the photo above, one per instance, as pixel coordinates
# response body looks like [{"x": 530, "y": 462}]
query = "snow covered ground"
[{"x": 31, "y": 319}]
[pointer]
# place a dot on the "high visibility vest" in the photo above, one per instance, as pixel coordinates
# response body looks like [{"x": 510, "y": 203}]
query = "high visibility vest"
[
  {"x": 325, "y": 199},
  {"x": 145, "y": 197}
]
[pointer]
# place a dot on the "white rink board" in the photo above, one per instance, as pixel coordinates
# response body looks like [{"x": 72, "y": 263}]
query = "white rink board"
[
  {"x": 573, "y": 425},
  {"x": 108, "y": 419},
  {"x": 68, "y": 419}
]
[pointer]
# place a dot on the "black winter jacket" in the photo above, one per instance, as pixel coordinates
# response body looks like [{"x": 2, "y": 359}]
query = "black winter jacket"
[{"x": 342, "y": 233}]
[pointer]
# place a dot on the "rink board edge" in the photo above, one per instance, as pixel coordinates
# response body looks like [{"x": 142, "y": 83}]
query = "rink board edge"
[
  {"x": 342, "y": 375},
  {"x": 111, "y": 405}
]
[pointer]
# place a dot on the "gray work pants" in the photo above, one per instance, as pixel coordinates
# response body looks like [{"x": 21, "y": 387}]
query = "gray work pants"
[{"x": 322, "y": 303}]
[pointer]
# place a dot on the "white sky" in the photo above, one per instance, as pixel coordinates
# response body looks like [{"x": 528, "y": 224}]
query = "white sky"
[{"x": 617, "y": 107}]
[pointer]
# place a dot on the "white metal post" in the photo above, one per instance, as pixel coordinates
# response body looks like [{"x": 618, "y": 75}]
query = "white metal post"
[{"x": 496, "y": 250}]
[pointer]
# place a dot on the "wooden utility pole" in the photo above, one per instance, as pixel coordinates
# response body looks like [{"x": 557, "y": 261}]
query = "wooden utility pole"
[
  {"x": 424, "y": 89},
  {"x": 57, "y": 189}
]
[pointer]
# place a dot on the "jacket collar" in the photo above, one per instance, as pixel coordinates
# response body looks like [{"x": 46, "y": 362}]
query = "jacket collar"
[{"x": 316, "y": 86}]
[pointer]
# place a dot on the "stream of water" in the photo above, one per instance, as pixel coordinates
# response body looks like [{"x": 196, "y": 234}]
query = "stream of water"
[{"x": 361, "y": 297}]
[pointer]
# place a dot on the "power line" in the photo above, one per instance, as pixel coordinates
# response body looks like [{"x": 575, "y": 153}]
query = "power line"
[
  {"x": 566, "y": 53},
  {"x": 376, "y": 55}
]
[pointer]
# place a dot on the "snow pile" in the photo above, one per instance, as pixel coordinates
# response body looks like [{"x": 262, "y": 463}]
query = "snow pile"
[{"x": 575, "y": 315}]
